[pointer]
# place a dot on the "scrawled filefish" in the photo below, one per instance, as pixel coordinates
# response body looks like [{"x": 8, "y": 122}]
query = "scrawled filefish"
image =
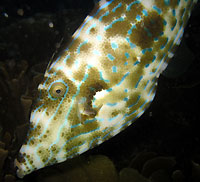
[{"x": 104, "y": 80}]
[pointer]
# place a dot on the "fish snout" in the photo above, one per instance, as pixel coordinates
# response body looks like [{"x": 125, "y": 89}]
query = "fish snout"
[{"x": 20, "y": 168}]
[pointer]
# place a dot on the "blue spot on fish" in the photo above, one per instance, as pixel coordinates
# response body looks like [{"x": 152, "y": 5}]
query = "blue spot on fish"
[
  {"x": 105, "y": 14},
  {"x": 130, "y": 5},
  {"x": 158, "y": 10},
  {"x": 97, "y": 53},
  {"x": 114, "y": 45},
  {"x": 130, "y": 43},
  {"x": 115, "y": 21},
  {"x": 99, "y": 37},
  {"x": 137, "y": 62},
  {"x": 123, "y": 78},
  {"x": 130, "y": 31},
  {"x": 167, "y": 2},
  {"x": 89, "y": 29},
  {"x": 111, "y": 104},
  {"x": 138, "y": 81},
  {"x": 66, "y": 58},
  {"x": 83, "y": 43},
  {"x": 111, "y": 57},
  {"x": 138, "y": 17},
  {"x": 145, "y": 13},
  {"x": 114, "y": 69},
  {"x": 118, "y": 6},
  {"x": 101, "y": 77},
  {"x": 127, "y": 55}
]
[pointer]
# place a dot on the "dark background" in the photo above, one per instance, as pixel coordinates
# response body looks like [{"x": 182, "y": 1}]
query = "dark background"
[{"x": 170, "y": 127}]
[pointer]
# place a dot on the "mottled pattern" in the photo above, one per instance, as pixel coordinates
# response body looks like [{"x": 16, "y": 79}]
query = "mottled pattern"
[{"x": 104, "y": 80}]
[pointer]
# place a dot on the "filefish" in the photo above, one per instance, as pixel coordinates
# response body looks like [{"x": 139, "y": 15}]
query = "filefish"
[{"x": 104, "y": 80}]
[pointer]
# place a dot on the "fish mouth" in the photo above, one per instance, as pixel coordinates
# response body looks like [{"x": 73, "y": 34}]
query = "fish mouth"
[{"x": 20, "y": 169}]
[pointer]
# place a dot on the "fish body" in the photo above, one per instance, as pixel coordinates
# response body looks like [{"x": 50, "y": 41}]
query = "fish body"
[{"x": 104, "y": 80}]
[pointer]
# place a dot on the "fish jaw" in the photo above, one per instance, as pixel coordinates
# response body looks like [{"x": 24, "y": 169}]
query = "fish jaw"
[
  {"x": 22, "y": 166},
  {"x": 49, "y": 128},
  {"x": 43, "y": 146},
  {"x": 20, "y": 169},
  {"x": 29, "y": 159}
]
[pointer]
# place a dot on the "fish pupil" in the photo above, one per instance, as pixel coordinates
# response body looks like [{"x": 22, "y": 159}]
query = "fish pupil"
[{"x": 58, "y": 91}]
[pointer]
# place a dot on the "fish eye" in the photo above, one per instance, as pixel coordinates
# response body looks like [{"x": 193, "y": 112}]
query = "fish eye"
[{"x": 57, "y": 90}]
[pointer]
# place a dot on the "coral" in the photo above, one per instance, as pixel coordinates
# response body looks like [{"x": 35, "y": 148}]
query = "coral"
[
  {"x": 16, "y": 96},
  {"x": 9, "y": 178},
  {"x": 19, "y": 86},
  {"x": 21, "y": 69},
  {"x": 3, "y": 156},
  {"x": 96, "y": 168},
  {"x": 100, "y": 168},
  {"x": 149, "y": 167},
  {"x": 158, "y": 163},
  {"x": 131, "y": 175},
  {"x": 195, "y": 172},
  {"x": 12, "y": 82}
]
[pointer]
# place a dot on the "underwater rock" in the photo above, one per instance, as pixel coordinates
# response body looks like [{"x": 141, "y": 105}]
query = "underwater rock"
[
  {"x": 7, "y": 139},
  {"x": 9, "y": 178},
  {"x": 12, "y": 74},
  {"x": 26, "y": 105},
  {"x": 21, "y": 132},
  {"x": 2, "y": 145},
  {"x": 131, "y": 175},
  {"x": 157, "y": 168},
  {"x": 141, "y": 158},
  {"x": 160, "y": 176},
  {"x": 101, "y": 168},
  {"x": 13, "y": 83},
  {"x": 195, "y": 172},
  {"x": 165, "y": 163},
  {"x": 94, "y": 169},
  {"x": 178, "y": 176},
  {"x": 16, "y": 98},
  {"x": 39, "y": 69},
  {"x": 3, "y": 156},
  {"x": 37, "y": 79},
  {"x": 70, "y": 172}
]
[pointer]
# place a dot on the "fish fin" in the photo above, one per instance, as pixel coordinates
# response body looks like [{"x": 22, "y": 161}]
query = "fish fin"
[
  {"x": 89, "y": 112},
  {"x": 84, "y": 108},
  {"x": 53, "y": 55}
]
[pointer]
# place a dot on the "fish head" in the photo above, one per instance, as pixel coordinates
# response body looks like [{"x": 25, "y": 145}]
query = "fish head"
[{"x": 57, "y": 116}]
